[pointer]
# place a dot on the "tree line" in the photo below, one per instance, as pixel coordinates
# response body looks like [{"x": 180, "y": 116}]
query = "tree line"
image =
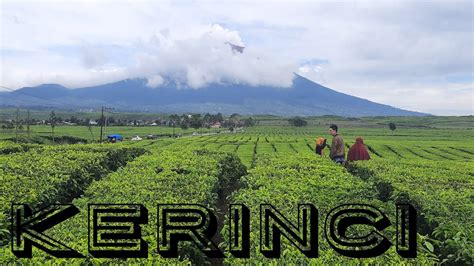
[{"x": 184, "y": 121}]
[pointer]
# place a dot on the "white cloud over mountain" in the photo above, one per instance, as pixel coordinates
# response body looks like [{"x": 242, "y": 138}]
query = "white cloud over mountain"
[{"x": 413, "y": 55}]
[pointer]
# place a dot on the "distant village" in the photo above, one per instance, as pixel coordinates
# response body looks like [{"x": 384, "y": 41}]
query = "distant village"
[{"x": 183, "y": 121}]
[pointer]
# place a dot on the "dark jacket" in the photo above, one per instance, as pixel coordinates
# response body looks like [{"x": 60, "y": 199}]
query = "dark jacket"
[{"x": 337, "y": 147}]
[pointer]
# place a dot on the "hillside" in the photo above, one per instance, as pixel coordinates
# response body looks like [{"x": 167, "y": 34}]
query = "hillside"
[{"x": 304, "y": 97}]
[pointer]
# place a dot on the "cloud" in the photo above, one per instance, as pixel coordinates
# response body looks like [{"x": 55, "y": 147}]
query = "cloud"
[
  {"x": 313, "y": 69},
  {"x": 436, "y": 98},
  {"x": 403, "y": 53},
  {"x": 155, "y": 81},
  {"x": 93, "y": 56},
  {"x": 206, "y": 58}
]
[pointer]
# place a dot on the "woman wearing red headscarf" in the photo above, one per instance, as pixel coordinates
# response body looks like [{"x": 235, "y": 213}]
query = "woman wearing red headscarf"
[{"x": 358, "y": 151}]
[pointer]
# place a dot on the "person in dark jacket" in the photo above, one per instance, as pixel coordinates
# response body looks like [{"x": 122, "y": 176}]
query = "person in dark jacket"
[
  {"x": 337, "y": 153},
  {"x": 358, "y": 151},
  {"x": 320, "y": 145}
]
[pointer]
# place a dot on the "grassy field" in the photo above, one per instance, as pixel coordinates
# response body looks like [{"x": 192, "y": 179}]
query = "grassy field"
[{"x": 431, "y": 168}]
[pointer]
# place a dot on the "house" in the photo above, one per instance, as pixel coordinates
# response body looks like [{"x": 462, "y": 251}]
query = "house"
[{"x": 216, "y": 125}]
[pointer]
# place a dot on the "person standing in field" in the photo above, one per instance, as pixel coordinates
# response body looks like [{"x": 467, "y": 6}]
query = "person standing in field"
[
  {"x": 337, "y": 147},
  {"x": 358, "y": 151},
  {"x": 320, "y": 145}
]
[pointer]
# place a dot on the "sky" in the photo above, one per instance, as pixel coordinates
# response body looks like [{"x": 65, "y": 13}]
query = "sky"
[{"x": 415, "y": 55}]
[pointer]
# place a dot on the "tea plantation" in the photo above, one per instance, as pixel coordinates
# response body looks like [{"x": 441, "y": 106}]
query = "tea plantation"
[{"x": 432, "y": 169}]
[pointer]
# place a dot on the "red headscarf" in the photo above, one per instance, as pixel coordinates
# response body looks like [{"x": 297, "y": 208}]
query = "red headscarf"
[{"x": 358, "y": 151}]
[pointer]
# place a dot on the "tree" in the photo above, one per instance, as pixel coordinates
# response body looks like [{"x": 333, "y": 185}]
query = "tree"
[
  {"x": 249, "y": 122},
  {"x": 74, "y": 119},
  {"x": 234, "y": 120},
  {"x": 185, "y": 121},
  {"x": 392, "y": 127},
  {"x": 218, "y": 118},
  {"x": 174, "y": 120},
  {"x": 297, "y": 122},
  {"x": 206, "y": 120},
  {"x": 195, "y": 121}
]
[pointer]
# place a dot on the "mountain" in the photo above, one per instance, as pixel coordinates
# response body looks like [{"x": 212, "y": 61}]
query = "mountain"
[{"x": 304, "y": 98}]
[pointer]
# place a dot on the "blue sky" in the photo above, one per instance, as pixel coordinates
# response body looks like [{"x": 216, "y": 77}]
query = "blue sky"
[{"x": 416, "y": 55}]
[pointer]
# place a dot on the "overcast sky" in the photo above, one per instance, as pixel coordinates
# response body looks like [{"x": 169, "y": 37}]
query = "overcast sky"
[{"x": 416, "y": 55}]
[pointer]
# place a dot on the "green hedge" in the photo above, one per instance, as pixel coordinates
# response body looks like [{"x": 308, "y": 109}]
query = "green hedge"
[
  {"x": 166, "y": 177},
  {"x": 54, "y": 174},
  {"x": 442, "y": 192},
  {"x": 286, "y": 182}
]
